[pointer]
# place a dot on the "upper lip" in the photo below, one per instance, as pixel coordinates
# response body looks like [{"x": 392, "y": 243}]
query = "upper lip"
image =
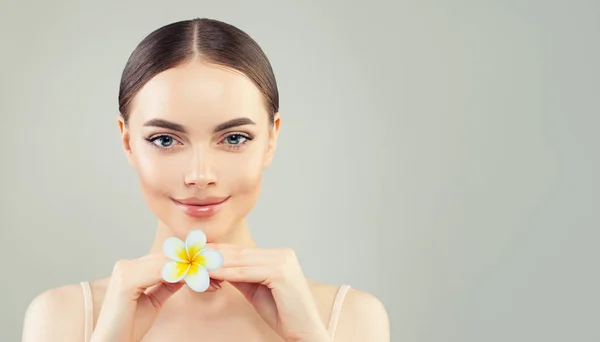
[{"x": 202, "y": 201}]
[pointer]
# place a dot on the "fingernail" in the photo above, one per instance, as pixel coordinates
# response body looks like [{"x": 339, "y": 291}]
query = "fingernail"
[{"x": 216, "y": 285}]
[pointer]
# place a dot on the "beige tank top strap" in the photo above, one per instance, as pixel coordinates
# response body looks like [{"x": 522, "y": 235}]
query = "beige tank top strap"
[
  {"x": 337, "y": 309},
  {"x": 88, "y": 307}
]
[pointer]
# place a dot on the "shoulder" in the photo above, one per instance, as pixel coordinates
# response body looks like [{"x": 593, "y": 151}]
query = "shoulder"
[
  {"x": 363, "y": 317},
  {"x": 55, "y": 315}
]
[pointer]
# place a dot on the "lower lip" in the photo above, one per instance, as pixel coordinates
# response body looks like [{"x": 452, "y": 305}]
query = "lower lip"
[{"x": 200, "y": 211}]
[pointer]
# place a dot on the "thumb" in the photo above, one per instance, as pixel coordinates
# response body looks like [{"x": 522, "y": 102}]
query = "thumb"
[
  {"x": 247, "y": 289},
  {"x": 160, "y": 293}
]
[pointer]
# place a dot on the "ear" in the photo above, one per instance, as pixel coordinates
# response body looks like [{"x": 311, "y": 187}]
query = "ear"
[
  {"x": 125, "y": 137},
  {"x": 273, "y": 134}
]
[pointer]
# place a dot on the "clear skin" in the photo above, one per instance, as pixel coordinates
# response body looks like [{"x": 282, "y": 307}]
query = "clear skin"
[{"x": 258, "y": 294}]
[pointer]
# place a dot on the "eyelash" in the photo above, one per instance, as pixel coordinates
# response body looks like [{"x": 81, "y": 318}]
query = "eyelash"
[{"x": 247, "y": 138}]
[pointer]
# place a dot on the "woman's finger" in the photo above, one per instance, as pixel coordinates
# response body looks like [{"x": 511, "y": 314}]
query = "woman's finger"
[
  {"x": 249, "y": 274},
  {"x": 238, "y": 256},
  {"x": 231, "y": 248},
  {"x": 139, "y": 274},
  {"x": 160, "y": 293},
  {"x": 246, "y": 259}
]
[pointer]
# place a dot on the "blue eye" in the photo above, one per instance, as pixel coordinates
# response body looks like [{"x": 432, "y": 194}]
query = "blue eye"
[
  {"x": 162, "y": 141},
  {"x": 235, "y": 139},
  {"x": 165, "y": 141}
]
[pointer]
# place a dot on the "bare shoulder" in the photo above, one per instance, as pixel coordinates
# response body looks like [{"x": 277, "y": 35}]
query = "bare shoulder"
[
  {"x": 363, "y": 316},
  {"x": 56, "y": 314},
  {"x": 324, "y": 295}
]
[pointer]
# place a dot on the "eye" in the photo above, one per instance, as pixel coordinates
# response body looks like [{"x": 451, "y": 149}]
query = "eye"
[
  {"x": 162, "y": 141},
  {"x": 236, "y": 139}
]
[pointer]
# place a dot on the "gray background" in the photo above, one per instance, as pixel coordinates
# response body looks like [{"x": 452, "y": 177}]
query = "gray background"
[{"x": 442, "y": 155}]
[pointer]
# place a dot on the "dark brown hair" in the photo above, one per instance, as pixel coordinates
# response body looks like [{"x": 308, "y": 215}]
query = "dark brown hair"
[{"x": 208, "y": 40}]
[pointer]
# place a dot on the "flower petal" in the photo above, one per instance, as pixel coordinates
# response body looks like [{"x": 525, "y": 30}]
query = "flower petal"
[
  {"x": 174, "y": 248},
  {"x": 174, "y": 271},
  {"x": 197, "y": 278},
  {"x": 195, "y": 241},
  {"x": 209, "y": 259}
]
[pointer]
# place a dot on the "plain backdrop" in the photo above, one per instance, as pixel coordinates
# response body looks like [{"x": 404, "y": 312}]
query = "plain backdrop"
[{"x": 442, "y": 155}]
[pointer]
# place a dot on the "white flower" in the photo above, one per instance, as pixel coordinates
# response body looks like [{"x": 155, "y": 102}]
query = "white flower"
[{"x": 190, "y": 261}]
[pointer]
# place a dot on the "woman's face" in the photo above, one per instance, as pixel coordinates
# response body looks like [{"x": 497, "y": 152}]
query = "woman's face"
[{"x": 199, "y": 138}]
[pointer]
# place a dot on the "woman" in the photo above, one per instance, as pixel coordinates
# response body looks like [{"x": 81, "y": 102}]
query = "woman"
[{"x": 199, "y": 119}]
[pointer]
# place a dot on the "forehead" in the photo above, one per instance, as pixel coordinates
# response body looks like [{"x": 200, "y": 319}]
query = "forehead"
[{"x": 198, "y": 93}]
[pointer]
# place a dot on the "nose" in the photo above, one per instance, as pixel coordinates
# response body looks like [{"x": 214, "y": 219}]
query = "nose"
[{"x": 200, "y": 174}]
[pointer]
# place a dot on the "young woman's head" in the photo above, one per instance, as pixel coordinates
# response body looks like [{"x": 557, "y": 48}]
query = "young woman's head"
[{"x": 199, "y": 119}]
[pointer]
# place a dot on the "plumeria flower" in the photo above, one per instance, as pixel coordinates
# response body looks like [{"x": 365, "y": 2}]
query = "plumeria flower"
[{"x": 190, "y": 261}]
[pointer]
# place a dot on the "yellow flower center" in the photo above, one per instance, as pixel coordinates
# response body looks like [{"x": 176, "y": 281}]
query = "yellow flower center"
[{"x": 199, "y": 259}]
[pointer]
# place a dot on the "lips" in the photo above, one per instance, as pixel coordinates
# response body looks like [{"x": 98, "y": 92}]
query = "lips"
[
  {"x": 201, "y": 207},
  {"x": 202, "y": 201}
]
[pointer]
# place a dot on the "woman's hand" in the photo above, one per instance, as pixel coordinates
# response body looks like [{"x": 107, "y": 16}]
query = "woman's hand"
[
  {"x": 273, "y": 282},
  {"x": 136, "y": 293}
]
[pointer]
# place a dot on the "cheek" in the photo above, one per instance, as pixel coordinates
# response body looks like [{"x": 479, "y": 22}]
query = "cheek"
[
  {"x": 240, "y": 180},
  {"x": 243, "y": 183},
  {"x": 243, "y": 173},
  {"x": 155, "y": 175}
]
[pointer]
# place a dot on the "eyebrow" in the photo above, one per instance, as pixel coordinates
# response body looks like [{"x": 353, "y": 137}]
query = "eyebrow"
[
  {"x": 233, "y": 123},
  {"x": 179, "y": 128},
  {"x": 165, "y": 124}
]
